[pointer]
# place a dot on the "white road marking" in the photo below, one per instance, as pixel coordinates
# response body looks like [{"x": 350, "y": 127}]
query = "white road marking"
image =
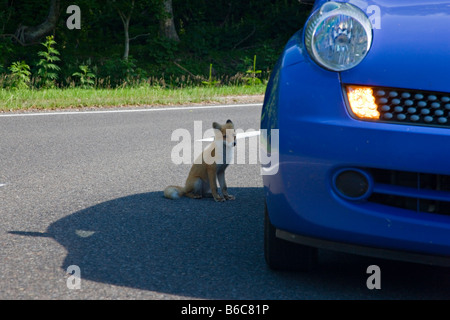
[
  {"x": 240, "y": 135},
  {"x": 2, "y": 184},
  {"x": 186, "y": 108}
]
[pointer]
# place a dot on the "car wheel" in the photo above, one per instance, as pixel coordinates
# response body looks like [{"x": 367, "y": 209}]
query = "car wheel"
[{"x": 284, "y": 255}]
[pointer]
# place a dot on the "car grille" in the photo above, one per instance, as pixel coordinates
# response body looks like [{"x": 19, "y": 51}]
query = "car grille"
[
  {"x": 416, "y": 107},
  {"x": 420, "y": 192}
]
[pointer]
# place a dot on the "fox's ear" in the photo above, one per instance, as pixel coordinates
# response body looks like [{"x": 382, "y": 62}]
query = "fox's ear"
[
  {"x": 230, "y": 123},
  {"x": 216, "y": 126}
]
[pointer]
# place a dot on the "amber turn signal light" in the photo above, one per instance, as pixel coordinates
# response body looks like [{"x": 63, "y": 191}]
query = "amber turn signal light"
[{"x": 362, "y": 102}]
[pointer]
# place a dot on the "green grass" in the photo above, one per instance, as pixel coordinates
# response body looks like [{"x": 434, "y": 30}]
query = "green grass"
[{"x": 28, "y": 99}]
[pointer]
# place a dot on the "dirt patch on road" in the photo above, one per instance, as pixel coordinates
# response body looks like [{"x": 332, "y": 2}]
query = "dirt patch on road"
[{"x": 239, "y": 99}]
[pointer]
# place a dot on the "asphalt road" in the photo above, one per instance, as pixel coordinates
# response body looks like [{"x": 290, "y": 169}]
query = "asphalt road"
[{"x": 85, "y": 189}]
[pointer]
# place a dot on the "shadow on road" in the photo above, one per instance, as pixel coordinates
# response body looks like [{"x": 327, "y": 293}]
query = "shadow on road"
[
  {"x": 204, "y": 249},
  {"x": 184, "y": 247}
]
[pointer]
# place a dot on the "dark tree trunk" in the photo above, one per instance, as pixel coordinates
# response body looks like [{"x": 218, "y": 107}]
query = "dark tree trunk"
[
  {"x": 167, "y": 25},
  {"x": 26, "y": 35}
]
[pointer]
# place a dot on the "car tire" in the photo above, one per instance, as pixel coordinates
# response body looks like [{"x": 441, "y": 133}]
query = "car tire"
[{"x": 282, "y": 255}]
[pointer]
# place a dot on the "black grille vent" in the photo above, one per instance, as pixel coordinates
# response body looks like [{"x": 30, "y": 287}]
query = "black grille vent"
[
  {"x": 423, "y": 186},
  {"x": 413, "y": 106}
]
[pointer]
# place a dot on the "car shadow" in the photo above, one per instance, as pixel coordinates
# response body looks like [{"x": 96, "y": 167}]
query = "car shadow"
[
  {"x": 204, "y": 249},
  {"x": 184, "y": 247}
]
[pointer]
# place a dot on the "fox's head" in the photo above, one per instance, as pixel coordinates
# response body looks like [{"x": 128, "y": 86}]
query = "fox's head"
[{"x": 225, "y": 132}]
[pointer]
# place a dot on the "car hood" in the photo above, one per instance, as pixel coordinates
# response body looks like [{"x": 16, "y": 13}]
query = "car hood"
[{"x": 411, "y": 45}]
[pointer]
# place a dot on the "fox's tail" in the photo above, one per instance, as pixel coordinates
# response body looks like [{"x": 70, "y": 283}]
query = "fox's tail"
[{"x": 173, "y": 192}]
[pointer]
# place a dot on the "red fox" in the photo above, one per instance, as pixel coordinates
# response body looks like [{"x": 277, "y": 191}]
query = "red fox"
[{"x": 211, "y": 166}]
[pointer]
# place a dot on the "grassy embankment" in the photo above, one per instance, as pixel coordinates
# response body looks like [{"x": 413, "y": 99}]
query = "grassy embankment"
[{"x": 51, "y": 99}]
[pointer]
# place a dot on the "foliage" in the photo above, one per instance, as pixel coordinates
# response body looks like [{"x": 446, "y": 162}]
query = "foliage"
[
  {"x": 85, "y": 76},
  {"x": 117, "y": 71},
  {"x": 162, "y": 51},
  {"x": 252, "y": 79},
  {"x": 47, "y": 69},
  {"x": 210, "y": 81},
  {"x": 222, "y": 32},
  {"x": 20, "y": 75}
]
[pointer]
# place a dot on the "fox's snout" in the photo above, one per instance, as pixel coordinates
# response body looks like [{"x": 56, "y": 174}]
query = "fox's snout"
[{"x": 230, "y": 143}]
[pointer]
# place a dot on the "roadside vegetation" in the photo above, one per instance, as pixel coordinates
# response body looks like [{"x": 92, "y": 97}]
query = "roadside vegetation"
[
  {"x": 154, "y": 52},
  {"x": 143, "y": 95}
]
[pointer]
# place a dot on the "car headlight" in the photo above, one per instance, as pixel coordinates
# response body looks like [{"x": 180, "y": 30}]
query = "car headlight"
[{"x": 338, "y": 36}]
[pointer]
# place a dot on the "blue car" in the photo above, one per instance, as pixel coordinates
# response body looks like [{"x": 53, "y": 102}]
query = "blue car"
[{"x": 360, "y": 102}]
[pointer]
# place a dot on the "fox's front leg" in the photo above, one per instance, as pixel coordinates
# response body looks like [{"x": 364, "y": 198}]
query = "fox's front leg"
[
  {"x": 223, "y": 185},
  {"x": 213, "y": 185}
]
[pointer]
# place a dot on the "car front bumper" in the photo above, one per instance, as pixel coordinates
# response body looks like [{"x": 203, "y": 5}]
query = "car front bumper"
[{"x": 318, "y": 138}]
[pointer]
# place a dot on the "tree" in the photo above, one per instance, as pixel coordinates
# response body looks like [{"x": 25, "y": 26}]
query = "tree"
[
  {"x": 26, "y": 35},
  {"x": 166, "y": 24},
  {"x": 125, "y": 12}
]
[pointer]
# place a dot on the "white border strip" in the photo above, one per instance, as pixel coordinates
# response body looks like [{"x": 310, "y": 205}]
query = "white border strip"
[
  {"x": 240, "y": 135},
  {"x": 106, "y": 111}
]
